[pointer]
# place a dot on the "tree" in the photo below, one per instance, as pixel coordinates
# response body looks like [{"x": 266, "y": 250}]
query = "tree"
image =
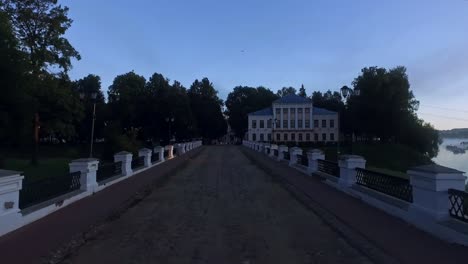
[
  {"x": 40, "y": 25},
  {"x": 302, "y": 92},
  {"x": 244, "y": 100},
  {"x": 86, "y": 87},
  {"x": 286, "y": 91},
  {"x": 207, "y": 109},
  {"x": 385, "y": 108}
]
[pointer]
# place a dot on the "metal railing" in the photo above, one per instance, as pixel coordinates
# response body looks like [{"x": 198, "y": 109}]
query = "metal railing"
[
  {"x": 138, "y": 163},
  {"x": 329, "y": 167},
  {"x": 268, "y": 151},
  {"x": 458, "y": 204},
  {"x": 286, "y": 155},
  {"x": 397, "y": 187},
  {"x": 107, "y": 171},
  {"x": 303, "y": 160},
  {"x": 275, "y": 152},
  {"x": 41, "y": 190},
  {"x": 155, "y": 157}
]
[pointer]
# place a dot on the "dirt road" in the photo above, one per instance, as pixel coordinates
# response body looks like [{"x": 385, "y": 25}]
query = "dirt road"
[{"x": 219, "y": 209}]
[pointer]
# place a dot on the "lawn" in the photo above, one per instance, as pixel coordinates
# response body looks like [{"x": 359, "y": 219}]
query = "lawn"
[
  {"x": 392, "y": 159},
  {"x": 47, "y": 168}
]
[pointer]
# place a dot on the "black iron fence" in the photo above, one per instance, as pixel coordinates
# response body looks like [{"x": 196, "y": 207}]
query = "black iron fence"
[
  {"x": 286, "y": 155},
  {"x": 458, "y": 204},
  {"x": 166, "y": 153},
  {"x": 138, "y": 163},
  {"x": 276, "y": 153},
  {"x": 303, "y": 160},
  {"x": 154, "y": 157},
  {"x": 39, "y": 191},
  {"x": 268, "y": 151},
  {"x": 397, "y": 187},
  {"x": 329, "y": 167},
  {"x": 107, "y": 171}
]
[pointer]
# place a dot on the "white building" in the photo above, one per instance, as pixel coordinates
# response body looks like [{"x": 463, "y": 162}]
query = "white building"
[{"x": 295, "y": 119}]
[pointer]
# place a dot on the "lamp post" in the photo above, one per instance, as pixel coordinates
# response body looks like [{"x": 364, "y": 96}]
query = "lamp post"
[
  {"x": 347, "y": 93},
  {"x": 93, "y": 97},
  {"x": 170, "y": 120}
]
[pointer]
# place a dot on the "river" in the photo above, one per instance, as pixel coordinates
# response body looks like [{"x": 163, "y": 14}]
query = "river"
[{"x": 449, "y": 159}]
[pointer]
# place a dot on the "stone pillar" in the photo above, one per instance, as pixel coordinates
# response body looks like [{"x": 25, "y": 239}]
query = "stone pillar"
[
  {"x": 293, "y": 152},
  {"x": 272, "y": 149},
  {"x": 11, "y": 182},
  {"x": 314, "y": 155},
  {"x": 261, "y": 147},
  {"x": 180, "y": 149},
  {"x": 430, "y": 189},
  {"x": 170, "y": 149},
  {"x": 348, "y": 165},
  {"x": 267, "y": 147},
  {"x": 160, "y": 151},
  {"x": 88, "y": 169},
  {"x": 126, "y": 159},
  {"x": 146, "y": 153},
  {"x": 281, "y": 149}
]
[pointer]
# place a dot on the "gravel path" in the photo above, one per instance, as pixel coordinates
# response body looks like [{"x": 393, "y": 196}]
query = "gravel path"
[{"x": 220, "y": 209}]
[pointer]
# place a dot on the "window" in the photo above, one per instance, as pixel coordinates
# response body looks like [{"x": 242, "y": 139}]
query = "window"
[
  {"x": 293, "y": 124},
  {"x": 324, "y": 123},
  {"x": 299, "y": 123},
  {"x": 278, "y": 124},
  {"x": 307, "y": 124},
  {"x": 293, "y": 111},
  {"x": 300, "y": 136},
  {"x": 269, "y": 123},
  {"x": 262, "y": 137},
  {"x": 254, "y": 137},
  {"x": 278, "y": 137},
  {"x": 332, "y": 137},
  {"x": 307, "y": 136},
  {"x": 316, "y": 137},
  {"x": 269, "y": 137},
  {"x": 254, "y": 123},
  {"x": 307, "y": 111},
  {"x": 278, "y": 111},
  {"x": 285, "y": 123},
  {"x": 332, "y": 123},
  {"x": 293, "y": 136},
  {"x": 285, "y": 137},
  {"x": 262, "y": 123},
  {"x": 299, "y": 111},
  {"x": 316, "y": 123},
  {"x": 324, "y": 137},
  {"x": 285, "y": 111}
]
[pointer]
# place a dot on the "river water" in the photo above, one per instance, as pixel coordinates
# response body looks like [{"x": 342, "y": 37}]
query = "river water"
[{"x": 449, "y": 159}]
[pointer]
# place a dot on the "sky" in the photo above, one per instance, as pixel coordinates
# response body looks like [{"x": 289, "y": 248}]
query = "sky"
[{"x": 321, "y": 44}]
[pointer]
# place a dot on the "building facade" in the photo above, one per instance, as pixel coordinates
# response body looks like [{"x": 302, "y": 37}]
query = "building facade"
[{"x": 293, "y": 119}]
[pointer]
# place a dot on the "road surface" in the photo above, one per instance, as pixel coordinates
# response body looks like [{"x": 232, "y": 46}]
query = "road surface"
[{"x": 220, "y": 208}]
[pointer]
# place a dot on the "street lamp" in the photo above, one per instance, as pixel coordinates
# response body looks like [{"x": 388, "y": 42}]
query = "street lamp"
[
  {"x": 170, "y": 120},
  {"x": 93, "y": 97}
]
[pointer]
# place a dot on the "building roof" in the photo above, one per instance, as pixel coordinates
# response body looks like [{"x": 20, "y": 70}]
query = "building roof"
[
  {"x": 264, "y": 112},
  {"x": 292, "y": 99},
  {"x": 323, "y": 111}
]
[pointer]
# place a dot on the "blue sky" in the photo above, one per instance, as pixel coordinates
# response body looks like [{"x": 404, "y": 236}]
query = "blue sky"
[{"x": 321, "y": 44}]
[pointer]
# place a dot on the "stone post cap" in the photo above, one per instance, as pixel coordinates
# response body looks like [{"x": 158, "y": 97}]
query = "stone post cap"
[
  {"x": 10, "y": 173},
  {"x": 168, "y": 146},
  {"x": 295, "y": 148},
  {"x": 351, "y": 157},
  {"x": 315, "y": 151},
  {"x": 144, "y": 150},
  {"x": 88, "y": 160},
  {"x": 437, "y": 172},
  {"x": 122, "y": 153},
  {"x": 274, "y": 146}
]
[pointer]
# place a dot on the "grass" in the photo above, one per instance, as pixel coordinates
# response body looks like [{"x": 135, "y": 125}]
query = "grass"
[
  {"x": 47, "y": 168},
  {"x": 391, "y": 159}
]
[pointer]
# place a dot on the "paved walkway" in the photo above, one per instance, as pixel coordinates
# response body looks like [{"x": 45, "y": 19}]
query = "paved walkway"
[
  {"x": 34, "y": 243},
  {"x": 366, "y": 225},
  {"x": 219, "y": 209}
]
